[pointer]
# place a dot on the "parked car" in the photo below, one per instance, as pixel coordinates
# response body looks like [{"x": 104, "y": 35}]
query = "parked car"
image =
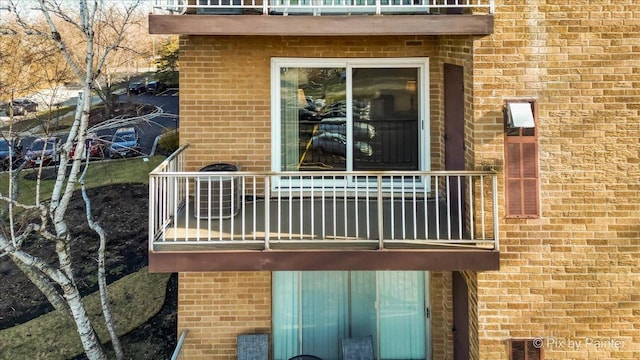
[
  {"x": 137, "y": 88},
  {"x": 45, "y": 151},
  {"x": 361, "y": 130},
  {"x": 336, "y": 144},
  {"x": 11, "y": 152},
  {"x": 23, "y": 106},
  {"x": 94, "y": 147},
  {"x": 125, "y": 142},
  {"x": 154, "y": 87}
]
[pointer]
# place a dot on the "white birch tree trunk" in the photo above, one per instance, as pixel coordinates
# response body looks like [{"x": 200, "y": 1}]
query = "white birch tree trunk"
[
  {"x": 90, "y": 342},
  {"x": 45, "y": 286},
  {"x": 86, "y": 66}
]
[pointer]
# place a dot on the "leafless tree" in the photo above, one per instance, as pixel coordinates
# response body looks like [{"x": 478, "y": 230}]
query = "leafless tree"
[
  {"x": 133, "y": 44},
  {"x": 85, "y": 34}
]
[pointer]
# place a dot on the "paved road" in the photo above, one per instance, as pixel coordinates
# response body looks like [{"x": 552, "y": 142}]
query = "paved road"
[{"x": 150, "y": 130}]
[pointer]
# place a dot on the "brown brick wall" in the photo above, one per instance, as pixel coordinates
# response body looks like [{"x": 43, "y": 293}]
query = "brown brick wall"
[
  {"x": 218, "y": 306},
  {"x": 235, "y": 71},
  {"x": 471, "y": 279},
  {"x": 570, "y": 277},
  {"x": 441, "y": 316}
]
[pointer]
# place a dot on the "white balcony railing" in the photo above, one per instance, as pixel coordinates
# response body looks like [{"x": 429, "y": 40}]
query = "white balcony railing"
[
  {"x": 319, "y": 210},
  {"x": 319, "y": 7}
]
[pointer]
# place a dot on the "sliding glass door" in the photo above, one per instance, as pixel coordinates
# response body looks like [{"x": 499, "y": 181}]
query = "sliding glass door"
[
  {"x": 313, "y": 310},
  {"x": 350, "y": 114}
]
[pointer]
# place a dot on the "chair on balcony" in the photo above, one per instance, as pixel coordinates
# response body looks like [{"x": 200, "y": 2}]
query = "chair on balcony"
[
  {"x": 305, "y": 357},
  {"x": 357, "y": 348},
  {"x": 253, "y": 347}
]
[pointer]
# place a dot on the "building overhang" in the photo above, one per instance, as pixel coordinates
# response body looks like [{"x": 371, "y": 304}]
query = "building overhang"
[
  {"x": 338, "y": 25},
  {"x": 280, "y": 260}
]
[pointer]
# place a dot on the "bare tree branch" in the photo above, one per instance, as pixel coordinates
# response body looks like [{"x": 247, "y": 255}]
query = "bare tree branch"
[{"x": 102, "y": 278}]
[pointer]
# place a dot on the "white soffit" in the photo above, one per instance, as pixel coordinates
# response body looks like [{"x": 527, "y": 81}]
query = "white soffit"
[{"x": 520, "y": 115}]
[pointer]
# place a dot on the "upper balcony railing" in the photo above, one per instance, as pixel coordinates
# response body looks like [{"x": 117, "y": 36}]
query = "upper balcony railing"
[
  {"x": 322, "y": 7},
  {"x": 306, "y": 210}
]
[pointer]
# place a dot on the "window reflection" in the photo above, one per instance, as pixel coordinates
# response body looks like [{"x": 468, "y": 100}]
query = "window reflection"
[
  {"x": 320, "y": 132},
  {"x": 308, "y": 96}
]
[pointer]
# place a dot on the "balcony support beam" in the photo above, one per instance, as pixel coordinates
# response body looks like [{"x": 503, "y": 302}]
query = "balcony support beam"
[
  {"x": 277, "y": 260},
  {"x": 336, "y": 25}
]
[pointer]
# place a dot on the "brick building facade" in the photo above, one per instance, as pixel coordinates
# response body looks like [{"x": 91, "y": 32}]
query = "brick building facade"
[{"x": 569, "y": 276}]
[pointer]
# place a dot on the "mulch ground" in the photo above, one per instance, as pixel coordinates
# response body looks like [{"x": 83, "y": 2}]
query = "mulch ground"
[{"x": 121, "y": 210}]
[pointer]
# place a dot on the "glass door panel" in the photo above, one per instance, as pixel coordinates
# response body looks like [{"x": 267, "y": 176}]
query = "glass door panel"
[
  {"x": 364, "y": 320},
  {"x": 385, "y": 118},
  {"x": 349, "y": 114},
  {"x": 377, "y": 129},
  {"x": 313, "y": 119},
  {"x": 402, "y": 320},
  {"x": 313, "y": 310},
  {"x": 325, "y": 309}
]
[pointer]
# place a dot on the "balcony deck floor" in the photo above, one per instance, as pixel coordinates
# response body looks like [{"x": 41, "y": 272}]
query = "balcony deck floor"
[{"x": 351, "y": 225}]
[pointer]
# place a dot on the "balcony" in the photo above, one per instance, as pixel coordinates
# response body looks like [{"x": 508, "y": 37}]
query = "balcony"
[
  {"x": 328, "y": 220},
  {"x": 322, "y": 17}
]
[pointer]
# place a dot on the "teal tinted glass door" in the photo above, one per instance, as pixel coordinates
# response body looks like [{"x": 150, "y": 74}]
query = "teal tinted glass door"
[{"x": 313, "y": 310}]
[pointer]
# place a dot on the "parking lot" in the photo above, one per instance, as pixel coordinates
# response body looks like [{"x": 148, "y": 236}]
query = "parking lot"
[{"x": 100, "y": 147}]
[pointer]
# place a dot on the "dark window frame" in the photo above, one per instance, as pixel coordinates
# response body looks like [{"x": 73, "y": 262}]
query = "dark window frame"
[{"x": 532, "y": 349}]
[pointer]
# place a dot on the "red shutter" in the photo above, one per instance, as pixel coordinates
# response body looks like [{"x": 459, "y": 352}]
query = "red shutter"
[{"x": 521, "y": 158}]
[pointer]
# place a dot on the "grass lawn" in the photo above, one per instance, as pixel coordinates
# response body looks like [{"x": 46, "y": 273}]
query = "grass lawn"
[
  {"x": 134, "y": 299},
  {"x": 128, "y": 170}
]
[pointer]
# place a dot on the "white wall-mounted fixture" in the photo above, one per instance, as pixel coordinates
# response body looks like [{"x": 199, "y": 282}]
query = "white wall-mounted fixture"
[{"x": 520, "y": 115}]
